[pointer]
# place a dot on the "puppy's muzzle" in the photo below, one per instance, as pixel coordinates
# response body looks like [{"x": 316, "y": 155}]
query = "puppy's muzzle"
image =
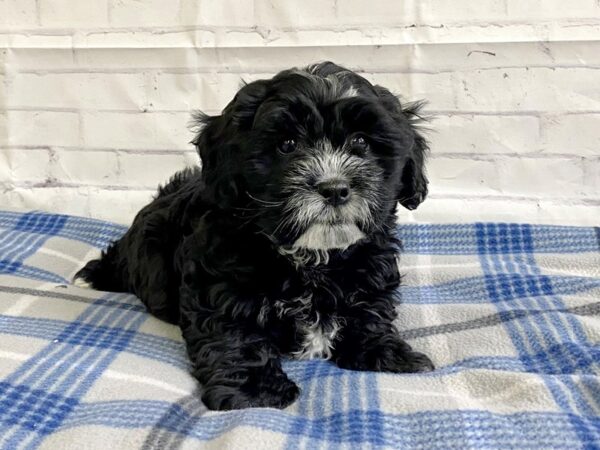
[{"x": 335, "y": 192}]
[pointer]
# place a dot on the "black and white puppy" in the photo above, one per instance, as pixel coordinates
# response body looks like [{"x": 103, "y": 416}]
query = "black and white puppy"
[{"x": 283, "y": 243}]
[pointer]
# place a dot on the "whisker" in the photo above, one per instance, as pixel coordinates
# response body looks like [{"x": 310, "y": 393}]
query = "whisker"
[{"x": 264, "y": 202}]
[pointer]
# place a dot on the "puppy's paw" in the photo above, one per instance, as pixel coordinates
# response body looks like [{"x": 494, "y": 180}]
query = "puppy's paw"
[
  {"x": 80, "y": 282},
  {"x": 399, "y": 357},
  {"x": 388, "y": 356},
  {"x": 270, "y": 392},
  {"x": 411, "y": 362},
  {"x": 413, "y": 201},
  {"x": 281, "y": 393}
]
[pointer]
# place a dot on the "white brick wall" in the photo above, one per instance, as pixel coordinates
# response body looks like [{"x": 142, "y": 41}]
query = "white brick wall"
[{"x": 95, "y": 96}]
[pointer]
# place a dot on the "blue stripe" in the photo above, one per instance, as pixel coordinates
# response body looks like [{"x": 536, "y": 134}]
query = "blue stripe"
[
  {"x": 574, "y": 360},
  {"x": 142, "y": 344},
  {"x": 63, "y": 373},
  {"x": 418, "y": 238},
  {"x": 474, "y": 290},
  {"x": 17, "y": 246},
  {"x": 426, "y": 429},
  {"x": 173, "y": 352},
  {"x": 375, "y": 431},
  {"x": 461, "y": 239},
  {"x": 520, "y": 242},
  {"x": 311, "y": 368},
  {"x": 90, "y": 231},
  {"x": 35, "y": 273}
]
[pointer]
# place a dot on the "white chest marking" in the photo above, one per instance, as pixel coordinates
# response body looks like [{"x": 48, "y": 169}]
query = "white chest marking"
[
  {"x": 321, "y": 236},
  {"x": 318, "y": 342}
]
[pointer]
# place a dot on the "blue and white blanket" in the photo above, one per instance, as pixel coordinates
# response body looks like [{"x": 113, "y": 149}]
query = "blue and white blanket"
[{"x": 509, "y": 313}]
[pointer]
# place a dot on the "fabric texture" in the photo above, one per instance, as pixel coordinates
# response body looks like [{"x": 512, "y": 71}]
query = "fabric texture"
[{"x": 509, "y": 313}]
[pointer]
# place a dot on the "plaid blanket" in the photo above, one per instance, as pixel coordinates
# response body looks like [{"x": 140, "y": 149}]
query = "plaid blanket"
[{"x": 509, "y": 313}]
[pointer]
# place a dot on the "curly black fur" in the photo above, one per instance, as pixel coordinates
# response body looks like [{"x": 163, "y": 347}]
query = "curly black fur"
[{"x": 283, "y": 243}]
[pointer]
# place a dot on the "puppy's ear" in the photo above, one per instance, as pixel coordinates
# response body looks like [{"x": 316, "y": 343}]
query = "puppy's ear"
[
  {"x": 413, "y": 189},
  {"x": 219, "y": 139}
]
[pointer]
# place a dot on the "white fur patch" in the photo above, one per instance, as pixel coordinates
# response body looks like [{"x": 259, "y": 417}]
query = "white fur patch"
[
  {"x": 323, "y": 236},
  {"x": 317, "y": 342},
  {"x": 80, "y": 282},
  {"x": 304, "y": 256},
  {"x": 349, "y": 93}
]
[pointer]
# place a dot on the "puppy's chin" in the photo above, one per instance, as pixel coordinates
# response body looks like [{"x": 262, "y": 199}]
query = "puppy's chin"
[{"x": 326, "y": 236}]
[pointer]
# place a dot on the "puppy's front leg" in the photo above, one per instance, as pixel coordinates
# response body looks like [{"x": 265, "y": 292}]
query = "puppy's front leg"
[
  {"x": 237, "y": 368},
  {"x": 370, "y": 341}
]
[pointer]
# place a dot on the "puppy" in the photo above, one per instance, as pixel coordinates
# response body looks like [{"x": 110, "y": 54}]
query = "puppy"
[{"x": 283, "y": 243}]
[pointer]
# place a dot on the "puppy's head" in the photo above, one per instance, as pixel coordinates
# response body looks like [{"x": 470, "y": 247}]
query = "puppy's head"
[{"x": 316, "y": 158}]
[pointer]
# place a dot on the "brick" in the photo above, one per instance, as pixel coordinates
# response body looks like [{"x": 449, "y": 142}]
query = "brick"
[
  {"x": 207, "y": 92},
  {"x": 77, "y": 90},
  {"x": 437, "y": 89},
  {"x": 27, "y": 40},
  {"x": 591, "y": 168},
  {"x": 5, "y": 172},
  {"x": 137, "y": 131},
  {"x": 118, "y": 206},
  {"x": 70, "y": 14},
  {"x": 511, "y": 107},
  {"x": 119, "y": 39},
  {"x": 483, "y": 134},
  {"x": 218, "y": 13},
  {"x": 244, "y": 33},
  {"x": 376, "y": 12},
  {"x": 148, "y": 170},
  {"x": 133, "y": 13},
  {"x": 27, "y": 59},
  {"x": 42, "y": 128},
  {"x": 267, "y": 60},
  {"x": 538, "y": 89},
  {"x": 308, "y": 13},
  {"x": 551, "y": 9},
  {"x": 514, "y": 176},
  {"x": 576, "y": 134},
  {"x": 3, "y": 128},
  {"x": 399, "y": 34},
  {"x": 18, "y": 14},
  {"x": 51, "y": 199},
  {"x": 430, "y": 12},
  {"x": 177, "y": 92},
  {"x": 433, "y": 12},
  {"x": 29, "y": 165},
  {"x": 568, "y": 212},
  {"x": 112, "y": 59},
  {"x": 86, "y": 167},
  {"x": 224, "y": 60},
  {"x": 541, "y": 177},
  {"x": 462, "y": 176},
  {"x": 485, "y": 55}
]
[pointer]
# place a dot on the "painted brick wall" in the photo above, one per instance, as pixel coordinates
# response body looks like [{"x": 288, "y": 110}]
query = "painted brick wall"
[{"x": 95, "y": 96}]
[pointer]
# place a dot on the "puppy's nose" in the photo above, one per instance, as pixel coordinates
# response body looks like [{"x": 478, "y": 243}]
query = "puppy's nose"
[{"x": 336, "y": 192}]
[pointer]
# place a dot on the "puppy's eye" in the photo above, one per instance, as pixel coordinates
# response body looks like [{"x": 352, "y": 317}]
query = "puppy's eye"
[
  {"x": 287, "y": 146},
  {"x": 359, "y": 144}
]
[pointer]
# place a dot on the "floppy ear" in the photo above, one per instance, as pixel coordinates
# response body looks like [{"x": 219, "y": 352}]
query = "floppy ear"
[
  {"x": 219, "y": 142},
  {"x": 413, "y": 189}
]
